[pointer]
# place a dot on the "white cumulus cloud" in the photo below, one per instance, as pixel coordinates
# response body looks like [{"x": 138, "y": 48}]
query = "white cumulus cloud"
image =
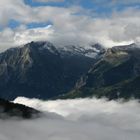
[{"x": 71, "y": 25}]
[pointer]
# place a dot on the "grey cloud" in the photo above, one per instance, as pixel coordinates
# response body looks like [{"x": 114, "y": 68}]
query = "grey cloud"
[{"x": 132, "y": 30}]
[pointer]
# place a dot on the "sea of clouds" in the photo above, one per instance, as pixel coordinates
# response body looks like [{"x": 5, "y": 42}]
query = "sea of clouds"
[{"x": 78, "y": 119}]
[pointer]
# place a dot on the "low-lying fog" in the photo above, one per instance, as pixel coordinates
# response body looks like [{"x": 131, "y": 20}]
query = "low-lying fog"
[{"x": 79, "y": 119}]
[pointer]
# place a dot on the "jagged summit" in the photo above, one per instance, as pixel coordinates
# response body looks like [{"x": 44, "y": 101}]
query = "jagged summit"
[
  {"x": 42, "y": 45},
  {"x": 91, "y": 51}
]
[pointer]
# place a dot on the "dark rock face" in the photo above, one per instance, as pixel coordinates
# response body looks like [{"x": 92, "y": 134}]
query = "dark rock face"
[
  {"x": 8, "y": 110},
  {"x": 116, "y": 75},
  {"x": 40, "y": 70}
]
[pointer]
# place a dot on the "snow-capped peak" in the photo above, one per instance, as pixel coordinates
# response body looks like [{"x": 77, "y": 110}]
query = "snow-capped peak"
[{"x": 89, "y": 51}]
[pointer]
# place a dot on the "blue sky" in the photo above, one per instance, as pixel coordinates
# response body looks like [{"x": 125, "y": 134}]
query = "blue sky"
[
  {"x": 100, "y": 6},
  {"x": 89, "y": 4},
  {"x": 36, "y": 4}
]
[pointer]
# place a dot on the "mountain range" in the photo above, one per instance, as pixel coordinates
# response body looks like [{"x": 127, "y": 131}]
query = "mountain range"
[
  {"x": 42, "y": 70},
  {"x": 115, "y": 75}
]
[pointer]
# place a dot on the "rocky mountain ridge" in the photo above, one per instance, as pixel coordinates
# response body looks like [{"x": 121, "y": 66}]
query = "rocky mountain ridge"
[
  {"x": 116, "y": 75},
  {"x": 41, "y": 70}
]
